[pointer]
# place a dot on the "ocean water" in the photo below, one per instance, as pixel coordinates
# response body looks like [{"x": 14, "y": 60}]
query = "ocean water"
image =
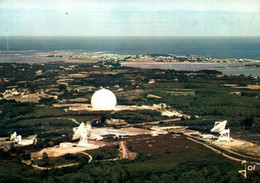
[
  {"x": 224, "y": 68},
  {"x": 29, "y": 49},
  {"x": 220, "y": 47}
]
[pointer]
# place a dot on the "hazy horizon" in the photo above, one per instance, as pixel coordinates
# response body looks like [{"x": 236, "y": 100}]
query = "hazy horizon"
[
  {"x": 144, "y": 36},
  {"x": 130, "y": 18}
]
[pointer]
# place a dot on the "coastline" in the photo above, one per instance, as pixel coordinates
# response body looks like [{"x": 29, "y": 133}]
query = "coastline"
[
  {"x": 227, "y": 68},
  {"x": 165, "y": 63}
]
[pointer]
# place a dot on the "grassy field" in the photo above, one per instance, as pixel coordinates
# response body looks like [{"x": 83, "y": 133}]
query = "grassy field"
[{"x": 166, "y": 158}]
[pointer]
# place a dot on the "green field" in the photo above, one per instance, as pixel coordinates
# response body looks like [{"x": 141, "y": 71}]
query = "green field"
[{"x": 205, "y": 96}]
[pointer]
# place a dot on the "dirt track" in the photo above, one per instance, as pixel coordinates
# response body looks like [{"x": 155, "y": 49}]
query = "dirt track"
[{"x": 229, "y": 148}]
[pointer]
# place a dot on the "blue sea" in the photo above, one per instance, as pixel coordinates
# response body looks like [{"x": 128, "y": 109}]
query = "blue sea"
[
  {"x": 22, "y": 47},
  {"x": 221, "y": 47}
]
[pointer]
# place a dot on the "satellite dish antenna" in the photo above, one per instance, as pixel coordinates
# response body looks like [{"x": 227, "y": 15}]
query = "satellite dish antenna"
[
  {"x": 224, "y": 134},
  {"x": 18, "y": 139},
  {"x": 83, "y": 140},
  {"x": 219, "y": 126},
  {"x": 78, "y": 131},
  {"x": 13, "y": 136}
]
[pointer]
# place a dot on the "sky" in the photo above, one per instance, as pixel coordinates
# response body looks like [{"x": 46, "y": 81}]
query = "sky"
[{"x": 130, "y": 17}]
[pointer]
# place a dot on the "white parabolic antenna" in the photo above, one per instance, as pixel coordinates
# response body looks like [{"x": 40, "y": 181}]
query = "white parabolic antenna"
[
  {"x": 78, "y": 131},
  {"x": 13, "y": 136},
  {"x": 219, "y": 126},
  {"x": 103, "y": 99},
  {"x": 224, "y": 134}
]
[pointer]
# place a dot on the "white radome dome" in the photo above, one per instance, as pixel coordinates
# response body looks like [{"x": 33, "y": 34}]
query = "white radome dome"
[{"x": 103, "y": 99}]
